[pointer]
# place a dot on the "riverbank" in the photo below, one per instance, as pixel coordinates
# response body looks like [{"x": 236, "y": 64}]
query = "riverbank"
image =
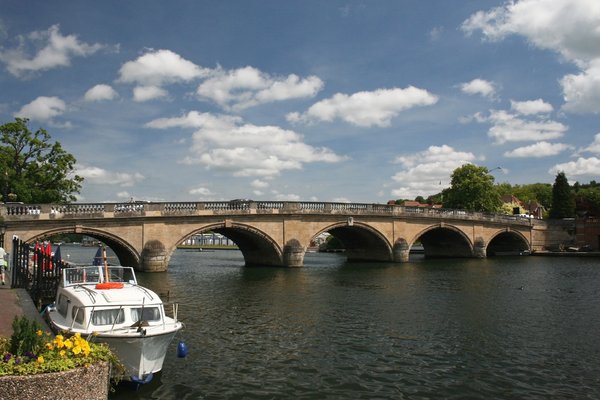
[
  {"x": 203, "y": 247},
  {"x": 566, "y": 253}
]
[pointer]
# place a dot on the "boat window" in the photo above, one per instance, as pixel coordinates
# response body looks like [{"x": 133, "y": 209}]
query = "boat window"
[
  {"x": 78, "y": 314},
  {"x": 62, "y": 305},
  {"x": 149, "y": 314},
  {"x": 108, "y": 317}
]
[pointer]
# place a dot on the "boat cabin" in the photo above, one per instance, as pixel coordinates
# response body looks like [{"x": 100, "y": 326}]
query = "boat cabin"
[{"x": 101, "y": 299}]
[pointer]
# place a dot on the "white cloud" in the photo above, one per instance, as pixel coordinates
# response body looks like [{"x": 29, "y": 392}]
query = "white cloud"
[
  {"x": 100, "y": 93},
  {"x": 569, "y": 27},
  {"x": 99, "y": 175},
  {"x": 202, "y": 192},
  {"x": 508, "y": 127},
  {"x": 423, "y": 172},
  {"x": 247, "y": 87},
  {"x": 480, "y": 87},
  {"x": 146, "y": 93},
  {"x": 259, "y": 184},
  {"x": 341, "y": 200},
  {"x": 160, "y": 67},
  {"x": 594, "y": 147},
  {"x": 538, "y": 150},
  {"x": 285, "y": 197},
  {"x": 51, "y": 50},
  {"x": 531, "y": 107},
  {"x": 366, "y": 109},
  {"x": 581, "y": 167},
  {"x": 436, "y": 33},
  {"x": 42, "y": 109},
  {"x": 582, "y": 91},
  {"x": 226, "y": 143},
  {"x": 124, "y": 195}
]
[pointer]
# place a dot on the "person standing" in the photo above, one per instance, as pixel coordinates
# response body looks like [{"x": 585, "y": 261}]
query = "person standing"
[{"x": 3, "y": 264}]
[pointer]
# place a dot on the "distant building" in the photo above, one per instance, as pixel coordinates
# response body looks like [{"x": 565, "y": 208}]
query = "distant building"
[
  {"x": 530, "y": 208},
  {"x": 411, "y": 203}
]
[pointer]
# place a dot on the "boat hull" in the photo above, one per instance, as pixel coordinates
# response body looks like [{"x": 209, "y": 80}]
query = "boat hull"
[{"x": 142, "y": 355}]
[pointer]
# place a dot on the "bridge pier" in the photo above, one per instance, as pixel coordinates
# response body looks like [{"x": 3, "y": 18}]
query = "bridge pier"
[
  {"x": 293, "y": 254},
  {"x": 401, "y": 251},
  {"x": 479, "y": 248},
  {"x": 154, "y": 257}
]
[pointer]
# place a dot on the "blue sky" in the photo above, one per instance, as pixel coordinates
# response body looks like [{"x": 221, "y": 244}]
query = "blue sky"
[{"x": 361, "y": 101}]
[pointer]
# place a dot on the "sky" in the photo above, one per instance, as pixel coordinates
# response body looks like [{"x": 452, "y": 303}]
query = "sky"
[{"x": 344, "y": 101}]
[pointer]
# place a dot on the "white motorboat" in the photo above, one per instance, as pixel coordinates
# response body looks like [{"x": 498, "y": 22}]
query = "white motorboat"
[{"x": 106, "y": 304}]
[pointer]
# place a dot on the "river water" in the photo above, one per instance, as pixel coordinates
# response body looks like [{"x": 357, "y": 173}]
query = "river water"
[{"x": 504, "y": 328}]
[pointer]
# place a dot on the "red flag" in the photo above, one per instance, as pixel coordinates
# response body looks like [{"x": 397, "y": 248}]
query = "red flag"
[{"x": 48, "y": 258}]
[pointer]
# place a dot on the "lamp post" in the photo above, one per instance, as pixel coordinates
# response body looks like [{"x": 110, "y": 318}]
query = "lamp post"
[{"x": 5, "y": 186}]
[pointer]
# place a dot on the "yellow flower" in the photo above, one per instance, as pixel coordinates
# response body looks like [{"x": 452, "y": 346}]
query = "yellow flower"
[
  {"x": 62, "y": 353},
  {"x": 40, "y": 360},
  {"x": 39, "y": 332},
  {"x": 76, "y": 350},
  {"x": 49, "y": 346}
]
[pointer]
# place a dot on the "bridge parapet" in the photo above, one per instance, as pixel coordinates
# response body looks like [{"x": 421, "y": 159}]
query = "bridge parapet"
[{"x": 16, "y": 212}]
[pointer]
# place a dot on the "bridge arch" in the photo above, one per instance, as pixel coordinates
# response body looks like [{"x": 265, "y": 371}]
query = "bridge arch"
[
  {"x": 444, "y": 241},
  {"x": 124, "y": 251},
  {"x": 361, "y": 241},
  {"x": 507, "y": 242},
  {"x": 257, "y": 247}
]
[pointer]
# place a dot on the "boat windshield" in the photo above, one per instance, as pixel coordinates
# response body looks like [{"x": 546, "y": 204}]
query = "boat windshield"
[{"x": 97, "y": 274}]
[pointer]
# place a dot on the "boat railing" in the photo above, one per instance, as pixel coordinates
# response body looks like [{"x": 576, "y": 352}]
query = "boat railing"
[
  {"x": 97, "y": 274},
  {"x": 148, "y": 293}
]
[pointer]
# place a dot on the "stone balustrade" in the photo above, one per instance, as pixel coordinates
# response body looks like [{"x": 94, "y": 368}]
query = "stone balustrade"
[{"x": 132, "y": 209}]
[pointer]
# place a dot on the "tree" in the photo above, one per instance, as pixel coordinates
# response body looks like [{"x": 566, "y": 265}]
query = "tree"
[
  {"x": 587, "y": 201},
  {"x": 563, "y": 200},
  {"x": 35, "y": 169},
  {"x": 472, "y": 188}
]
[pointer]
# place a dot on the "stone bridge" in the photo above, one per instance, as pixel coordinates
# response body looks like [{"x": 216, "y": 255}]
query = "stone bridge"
[{"x": 276, "y": 233}]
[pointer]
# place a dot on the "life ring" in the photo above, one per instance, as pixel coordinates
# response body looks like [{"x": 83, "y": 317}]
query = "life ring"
[{"x": 109, "y": 285}]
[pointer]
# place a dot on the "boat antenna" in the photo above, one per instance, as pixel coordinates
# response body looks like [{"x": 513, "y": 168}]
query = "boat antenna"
[{"x": 105, "y": 264}]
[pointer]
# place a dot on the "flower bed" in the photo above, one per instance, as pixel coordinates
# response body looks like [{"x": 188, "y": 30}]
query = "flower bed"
[{"x": 38, "y": 366}]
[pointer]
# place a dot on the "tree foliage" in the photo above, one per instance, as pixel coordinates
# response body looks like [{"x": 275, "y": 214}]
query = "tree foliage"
[
  {"x": 563, "y": 200},
  {"x": 472, "y": 189},
  {"x": 587, "y": 198},
  {"x": 538, "y": 192},
  {"x": 35, "y": 169}
]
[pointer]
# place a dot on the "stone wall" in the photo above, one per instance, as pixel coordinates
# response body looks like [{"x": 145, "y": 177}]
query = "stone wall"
[
  {"x": 552, "y": 235},
  {"x": 90, "y": 383}
]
